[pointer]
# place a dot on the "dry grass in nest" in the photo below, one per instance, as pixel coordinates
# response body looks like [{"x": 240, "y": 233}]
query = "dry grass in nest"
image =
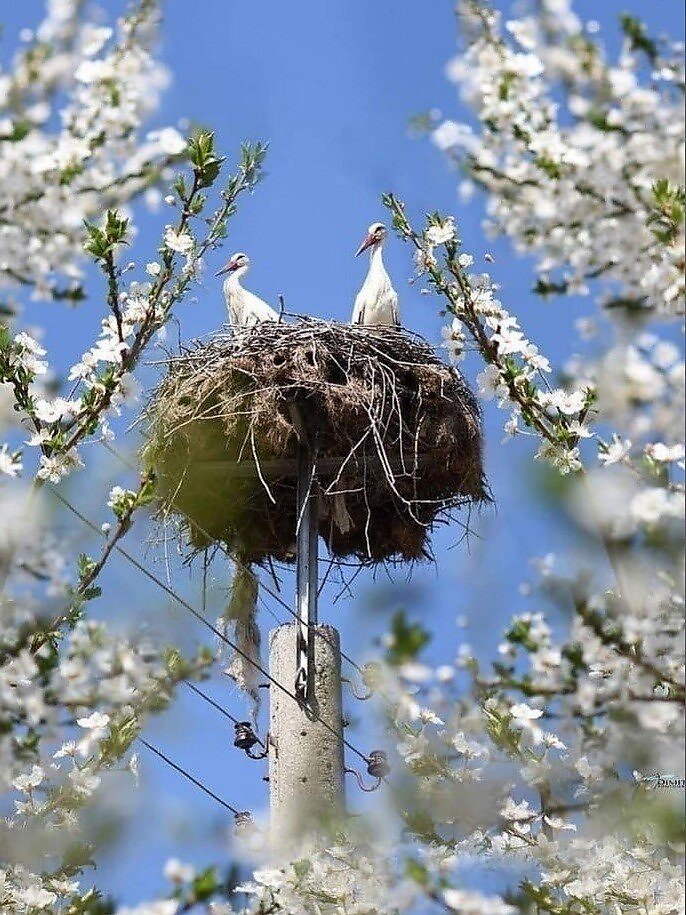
[{"x": 396, "y": 433}]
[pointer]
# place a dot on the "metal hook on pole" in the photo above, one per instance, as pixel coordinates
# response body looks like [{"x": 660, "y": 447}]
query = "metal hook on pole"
[
  {"x": 377, "y": 767},
  {"x": 362, "y": 696},
  {"x": 371, "y": 678}
]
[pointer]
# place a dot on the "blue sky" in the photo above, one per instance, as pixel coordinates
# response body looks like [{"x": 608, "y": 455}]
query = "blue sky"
[{"x": 331, "y": 86}]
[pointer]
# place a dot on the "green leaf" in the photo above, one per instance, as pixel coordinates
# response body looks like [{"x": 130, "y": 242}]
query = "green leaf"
[
  {"x": 422, "y": 123},
  {"x": 302, "y": 868},
  {"x": 19, "y": 130},
  {"x": 639, "y": 40},
  {"x": 505, "y": 85},
  {"x": 179, "y": 186},
  {"x": 549, "y": 166},
  {"x": 598, "y": 119},
  {"x": 96, "y": 242},
  {"x": 121, "y": 735},
  {"x": 632, "y": 305},
  {"x": 669, "y": 203},
  {"x": 421, "y": 824},
  {"x": 416, "y": 871},
  {"x": 407, "y": 639},
  {"x": 205, "y": 885},
  {"x": 85, "y": 565},
  {"x": 73, "y": 294},
  {"x": 68, "y": 174},
  {"x": 252, "y": 160},
  {"x": 116, "y": 227},
  {"x": 101, "y": 242},
  {"x": 549, "y": 287},
  {"x": 519, "y": 634},
  {"x": 77, "y": 856},
  {"x": 201, "y": 153}
]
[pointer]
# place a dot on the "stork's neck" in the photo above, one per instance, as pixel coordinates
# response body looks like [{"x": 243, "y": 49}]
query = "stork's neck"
[
  {"x": 233, "y": 280},
  {"x": 376, "y": 265}
]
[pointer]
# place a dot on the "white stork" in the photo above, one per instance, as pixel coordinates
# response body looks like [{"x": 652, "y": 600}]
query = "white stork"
[
  {"x": 377, "y": 300},
  {"x": 245, "y": 308}
]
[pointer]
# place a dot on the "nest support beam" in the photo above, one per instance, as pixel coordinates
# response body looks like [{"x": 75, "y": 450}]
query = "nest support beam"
[{"x": 306, "y": 579}]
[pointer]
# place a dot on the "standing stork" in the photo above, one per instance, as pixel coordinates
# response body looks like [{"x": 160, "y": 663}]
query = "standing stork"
[
  {"x": 377, "y": 300},
  {"x": 245, "y": 308}
]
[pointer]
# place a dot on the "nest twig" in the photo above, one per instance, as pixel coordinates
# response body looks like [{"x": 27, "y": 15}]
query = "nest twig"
[{"x": 396, "y": 434}]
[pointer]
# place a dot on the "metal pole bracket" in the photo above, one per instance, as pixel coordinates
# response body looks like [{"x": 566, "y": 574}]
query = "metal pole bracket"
[{"x": 307, "y": 534}]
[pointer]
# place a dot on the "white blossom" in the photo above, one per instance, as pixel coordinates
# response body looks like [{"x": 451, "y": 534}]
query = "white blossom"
[
  {"x": 470, "y": 902},
  {"x": 523, "y": 713},
  {"x": 615, "y": 452},
  {"x": 178, "y": 872},
  {"x": 578, "y": 150},
  {"x": 178, "y": 241},
  {"x": 440, "y": 234},
  {"x": 665, "y": 454},
  {"x": 10, "y": 464},
  {"x": 96, "y": 721},
  {"x": 30, "y": 780}
]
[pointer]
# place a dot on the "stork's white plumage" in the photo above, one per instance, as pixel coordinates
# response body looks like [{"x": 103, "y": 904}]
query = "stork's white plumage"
[
  {"x": 377, "y": 300},
  {"x": 245, "y": 308}
]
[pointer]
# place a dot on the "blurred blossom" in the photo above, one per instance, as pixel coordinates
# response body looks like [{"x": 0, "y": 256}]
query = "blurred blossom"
[{"x": 521, "y": 763}]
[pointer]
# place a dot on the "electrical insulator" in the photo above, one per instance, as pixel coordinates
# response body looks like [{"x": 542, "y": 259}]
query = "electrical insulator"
[
  {"x": 378, "y": 764},
  {"x": 243, "y": 821},
  {"x": 245, "y": 736}
]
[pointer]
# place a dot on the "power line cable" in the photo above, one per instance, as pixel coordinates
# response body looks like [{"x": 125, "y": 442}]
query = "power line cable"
[
  {"x": 220, "y": 708},
  {"x": 189, "y": 777},
  {"x": 361, "y": 670},
  {"x": 273, "y": 594},
  {"x": 195, "y": 613},
  {"x": 210, "y": 701}
]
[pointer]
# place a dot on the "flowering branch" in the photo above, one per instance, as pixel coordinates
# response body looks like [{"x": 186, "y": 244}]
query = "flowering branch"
[
  {"x": 160, "y": 300},
  {"x": 515, "y": 363}
]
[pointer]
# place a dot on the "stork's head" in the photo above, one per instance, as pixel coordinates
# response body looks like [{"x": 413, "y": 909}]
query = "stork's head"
[
  {"x": 238, "y": 262},
  {"x": 376, "y": 235}
]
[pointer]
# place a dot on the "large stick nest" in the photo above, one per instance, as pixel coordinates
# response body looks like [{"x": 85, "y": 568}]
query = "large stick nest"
[{"x": 396, "y": 434}]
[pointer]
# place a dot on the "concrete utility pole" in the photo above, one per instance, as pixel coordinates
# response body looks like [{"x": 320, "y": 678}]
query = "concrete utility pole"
[{"x": 305, "y": 757}]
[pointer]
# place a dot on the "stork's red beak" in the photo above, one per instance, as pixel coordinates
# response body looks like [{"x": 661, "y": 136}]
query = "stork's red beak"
[
  {"x": 367, "y": 243},
  {"x": 227, "y": 269}
]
